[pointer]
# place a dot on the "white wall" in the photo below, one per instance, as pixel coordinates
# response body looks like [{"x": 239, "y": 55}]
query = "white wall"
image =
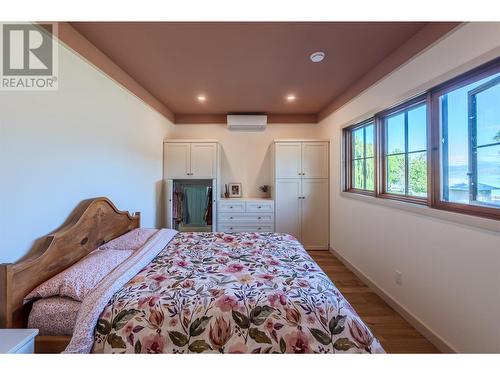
[
  {"x": 90, "y": 138},
  {"x": 451, "y": 271},
  {"x": 246, "y": 156}
]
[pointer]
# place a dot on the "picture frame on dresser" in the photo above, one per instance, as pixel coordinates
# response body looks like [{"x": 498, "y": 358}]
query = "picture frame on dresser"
[{"x": 235, "y": 190}]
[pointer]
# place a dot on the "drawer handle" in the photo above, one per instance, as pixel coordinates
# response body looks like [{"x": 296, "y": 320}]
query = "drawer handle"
[
  {"x": 230, "y": 218},
  {"x": 230, "y": 206},
  {"x": 259, "y": 207},
  {"x": 259, "y": 228},
  {"x": 259, "y": 218}
]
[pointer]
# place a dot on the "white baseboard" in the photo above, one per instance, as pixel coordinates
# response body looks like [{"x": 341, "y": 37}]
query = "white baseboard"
[{"x": 428, "y": 333}]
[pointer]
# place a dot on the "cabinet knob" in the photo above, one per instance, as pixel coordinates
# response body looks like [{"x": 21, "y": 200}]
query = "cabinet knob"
[
  {"x": 231, "y": 218},
  {"x": 259, "y": 207},
  {"x": 230, "y": 206},
  {"x": 259, "y": 228},
  {"x": 259, "y": 218}
]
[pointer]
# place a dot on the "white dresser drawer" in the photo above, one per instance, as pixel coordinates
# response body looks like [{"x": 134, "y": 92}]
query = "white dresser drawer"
[
  {"x": 236, "y": 206},
  {"x": 246, "y": 217},
  {"x": 228, "y": 228},
  {"x": 260, "y": 206}
]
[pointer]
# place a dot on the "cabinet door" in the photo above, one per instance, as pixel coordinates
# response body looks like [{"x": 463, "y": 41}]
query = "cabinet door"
[
  {"x": 287, "y": 207},
  {"x": 169, "y": 191},
  {"x": 203, "y": 160},
  {"x": 315, "y": 160},
  {"x": 215, "y": 194},
  {"x": 288, "y": 160},
  {"x": 177, "y": 160},
  {"x": 315, "y": 228}
]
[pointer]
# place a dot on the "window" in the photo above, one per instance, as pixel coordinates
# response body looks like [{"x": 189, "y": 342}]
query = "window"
[
  {"x": 361, "y": 139},
  {"x": 389, "y": 156},
  {"x": 404, "y": 144},
  {"x": 468, "y": 117}
]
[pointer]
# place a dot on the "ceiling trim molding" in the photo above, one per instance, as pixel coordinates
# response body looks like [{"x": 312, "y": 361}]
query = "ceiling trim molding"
[
  {"x": 299, "y": 118},
  {"x": 422, "y": 40},
  {"x": 83, "y": 47}
]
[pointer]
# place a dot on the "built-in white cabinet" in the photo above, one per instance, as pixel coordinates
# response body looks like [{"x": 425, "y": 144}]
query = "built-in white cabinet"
[
  {"x": 190, "y": 160},
  {"x": 301, "y": 191},
  {"x": 301, "y": 159}
]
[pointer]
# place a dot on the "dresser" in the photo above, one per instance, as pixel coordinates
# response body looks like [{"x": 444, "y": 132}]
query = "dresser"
[{"x": 245, "y": 215}]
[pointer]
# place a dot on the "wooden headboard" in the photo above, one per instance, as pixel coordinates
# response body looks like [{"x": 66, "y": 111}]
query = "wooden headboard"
[{"x": 92, "y": 223}]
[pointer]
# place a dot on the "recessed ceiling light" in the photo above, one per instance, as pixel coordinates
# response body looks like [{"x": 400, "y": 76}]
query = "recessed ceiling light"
[
  {"x": 317, "y": 56},
  {"x": 201, "y": 98},
  {"x": 291, "y": 97}
]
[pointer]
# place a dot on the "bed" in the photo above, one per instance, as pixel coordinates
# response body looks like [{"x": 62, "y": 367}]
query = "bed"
[{"x": 189, "y": 293}]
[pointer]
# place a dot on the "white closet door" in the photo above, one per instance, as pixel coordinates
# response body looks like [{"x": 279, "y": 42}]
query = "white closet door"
[
  {"x": 315, "y": 160},
  {"x": 169, "y": 204},
  {"x": 177, "y": 160},
  {"x": 288, "y": 207},
  {"x": 215, "y": 194},
  {"x": 315, "y": 218},
  {"x": 203, "y": 160},
  {"x": 288, "y": 160}
]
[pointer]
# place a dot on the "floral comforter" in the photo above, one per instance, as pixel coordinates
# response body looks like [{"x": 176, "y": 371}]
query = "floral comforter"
[{"x": 221, "y": 293}]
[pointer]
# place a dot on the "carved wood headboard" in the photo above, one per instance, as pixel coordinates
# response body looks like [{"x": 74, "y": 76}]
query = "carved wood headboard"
[{"x": 93, "y": 222}]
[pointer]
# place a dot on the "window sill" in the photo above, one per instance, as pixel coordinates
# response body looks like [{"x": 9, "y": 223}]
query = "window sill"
[{"x": 464, "y": 219}]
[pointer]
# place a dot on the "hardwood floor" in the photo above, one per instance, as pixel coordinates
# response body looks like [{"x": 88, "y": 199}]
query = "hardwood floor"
[{"x": 395, "y": 334}]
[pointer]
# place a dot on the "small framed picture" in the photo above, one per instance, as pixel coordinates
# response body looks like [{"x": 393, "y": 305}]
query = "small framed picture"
[{"x": 235, "y": 190}]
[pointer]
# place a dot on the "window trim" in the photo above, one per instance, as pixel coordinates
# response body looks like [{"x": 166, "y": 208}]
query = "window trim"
[
  {"x": 348, "y": 175},
  {"x": 431, "y": 99},
  {"x": 462, "y": 80},
  {"x": 382, "y": 135}
]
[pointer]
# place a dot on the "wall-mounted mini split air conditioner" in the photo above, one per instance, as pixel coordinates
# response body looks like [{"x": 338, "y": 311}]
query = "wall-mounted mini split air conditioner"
[{"x": 247, "y": 123}]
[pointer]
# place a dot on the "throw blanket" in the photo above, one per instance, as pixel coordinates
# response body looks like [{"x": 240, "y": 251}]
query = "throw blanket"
[
  {"x": 94, "y": 303},
  {"x": 222, "y": 293}
]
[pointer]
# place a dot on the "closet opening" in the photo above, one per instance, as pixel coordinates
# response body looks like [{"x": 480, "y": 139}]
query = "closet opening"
[{"x": 192, "y": 205}]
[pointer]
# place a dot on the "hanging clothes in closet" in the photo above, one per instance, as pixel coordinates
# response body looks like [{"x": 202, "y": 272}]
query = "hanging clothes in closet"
[{"x": 195, "y": 204}]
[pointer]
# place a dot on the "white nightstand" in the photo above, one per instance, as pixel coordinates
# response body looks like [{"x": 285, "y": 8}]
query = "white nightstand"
[{"x": 17, "y": 341}]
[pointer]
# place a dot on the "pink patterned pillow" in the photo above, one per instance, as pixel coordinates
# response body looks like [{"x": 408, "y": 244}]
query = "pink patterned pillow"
[
  {"x": 82, "y": 277},
  {"x": 132, "y": 240}
]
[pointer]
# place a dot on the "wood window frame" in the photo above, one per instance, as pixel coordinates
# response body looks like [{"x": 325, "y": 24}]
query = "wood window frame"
[
  {"x": 431, "y": 99},
  {"x": 382, "y": 142},
  {"x": 348, "y": 160},
  {"x": 462, "y": 80}
]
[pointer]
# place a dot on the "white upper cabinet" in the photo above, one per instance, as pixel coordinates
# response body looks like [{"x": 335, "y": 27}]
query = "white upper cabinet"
[
  {"x": 185, "y": 160},
  {"x": 203, "y": 160},
  {"x": 177, "y": 161},
  {"x": 288, "y": 160},
  {"x": 315, "y": 160},
  {"x": 301, "y": 160}
]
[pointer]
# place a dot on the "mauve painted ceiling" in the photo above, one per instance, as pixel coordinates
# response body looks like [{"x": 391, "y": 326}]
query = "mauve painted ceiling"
[{"x": 246, "y": 67}]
